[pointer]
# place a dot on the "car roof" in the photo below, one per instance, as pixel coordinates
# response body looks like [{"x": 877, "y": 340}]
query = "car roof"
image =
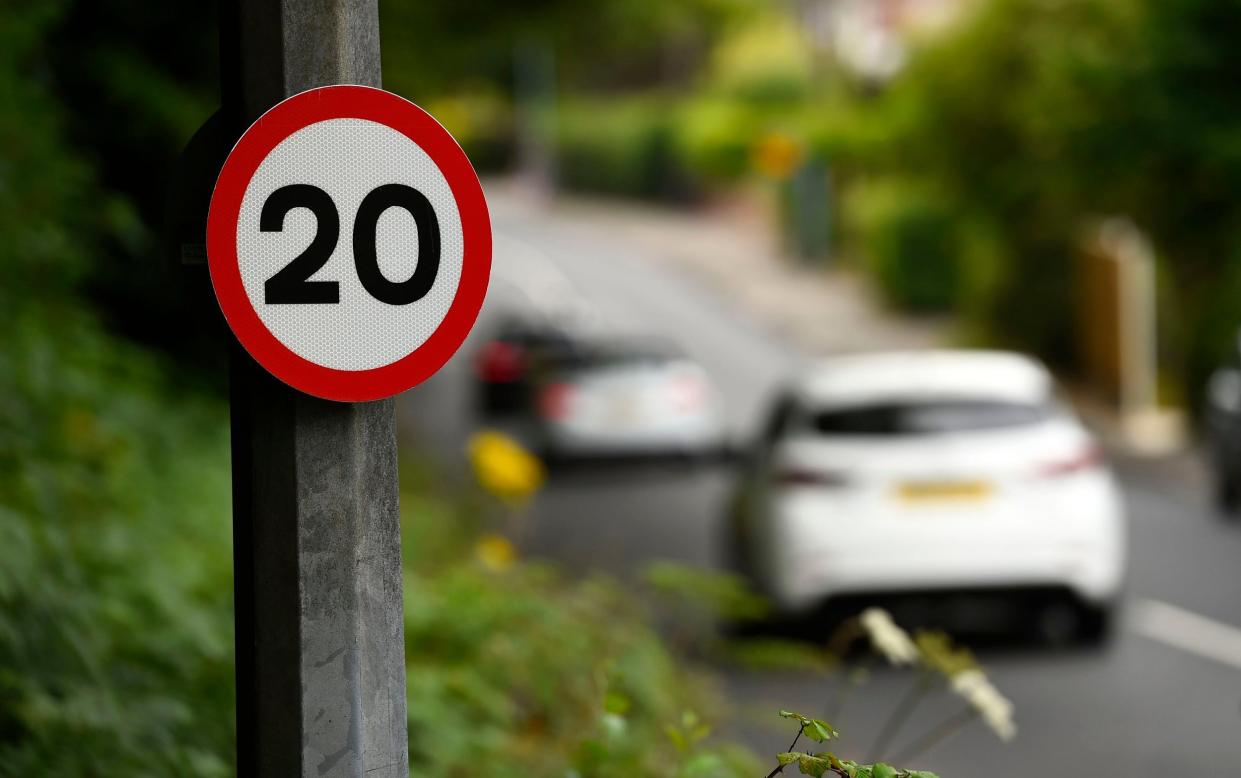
[{"x": 920, "y": 375}]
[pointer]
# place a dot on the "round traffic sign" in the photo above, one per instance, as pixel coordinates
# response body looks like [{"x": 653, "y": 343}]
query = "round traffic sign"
[{"x": 349, "y": 243}]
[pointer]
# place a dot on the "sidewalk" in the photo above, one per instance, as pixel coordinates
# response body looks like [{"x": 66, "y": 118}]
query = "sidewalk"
[{"x": 733, "y": 251}]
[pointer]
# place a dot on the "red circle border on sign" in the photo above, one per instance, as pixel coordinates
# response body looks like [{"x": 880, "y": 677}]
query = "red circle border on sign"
[{"x": 281, "y": 121}]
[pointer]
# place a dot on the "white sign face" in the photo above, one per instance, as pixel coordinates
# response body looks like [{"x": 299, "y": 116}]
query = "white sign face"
[
  {"x": 344, "y": 158},
  {"x": 349, "y": 243}
]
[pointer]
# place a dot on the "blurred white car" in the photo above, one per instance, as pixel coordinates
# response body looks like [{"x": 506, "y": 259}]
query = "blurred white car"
[
  {"x": 915, "y": 472},
  {"x": 627, "y": 398}
]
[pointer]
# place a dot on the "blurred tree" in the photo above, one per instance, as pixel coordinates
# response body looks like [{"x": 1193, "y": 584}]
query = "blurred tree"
[
  {"x": 434, "y": 46},
  {"x": 1036, "y": 116}
]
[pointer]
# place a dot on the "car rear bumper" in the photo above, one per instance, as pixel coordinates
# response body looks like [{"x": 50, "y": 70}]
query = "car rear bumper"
[{"x": 1082, "y": 550}]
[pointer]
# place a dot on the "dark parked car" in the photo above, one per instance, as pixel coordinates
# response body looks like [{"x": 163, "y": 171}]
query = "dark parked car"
[{"x": 509, "y": 364}]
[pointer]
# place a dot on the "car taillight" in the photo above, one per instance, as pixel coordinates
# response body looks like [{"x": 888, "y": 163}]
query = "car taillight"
[
  {"x": 556, "y": 401},
  {"x": 799, "y": 476},
  {"x": 687, "y": 393},
  {"x": 500, "y": 362},
  {"x": 1087, "y": 458}
]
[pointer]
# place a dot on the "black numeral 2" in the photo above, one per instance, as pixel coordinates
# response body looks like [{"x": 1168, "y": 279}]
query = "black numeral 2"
[{"x": 292, "y": 284}]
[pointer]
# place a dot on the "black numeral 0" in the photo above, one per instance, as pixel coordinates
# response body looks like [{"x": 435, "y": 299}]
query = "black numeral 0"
[
  {"x": 365, "y": 226},
  {"x": 292, "y": 284}
]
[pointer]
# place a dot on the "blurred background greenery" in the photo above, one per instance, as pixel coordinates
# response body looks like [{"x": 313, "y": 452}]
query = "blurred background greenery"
[{"x": 959, "y": 172}]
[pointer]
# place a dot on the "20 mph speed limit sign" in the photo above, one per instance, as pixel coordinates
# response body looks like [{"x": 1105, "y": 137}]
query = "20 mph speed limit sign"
[{"x": 349, "y": 243}]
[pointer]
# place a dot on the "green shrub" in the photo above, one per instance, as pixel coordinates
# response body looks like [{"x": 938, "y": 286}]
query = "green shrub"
[
  {"x": 622, "y": 147},
  {"x": 115, "y": 628},
  {"x": 910, "y": 245},
  {"x": 717, "y": 136}
]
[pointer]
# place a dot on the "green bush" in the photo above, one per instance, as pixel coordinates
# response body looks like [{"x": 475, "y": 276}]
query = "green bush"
[
  {"x": 717, "y": 136},
  {"x": 768, "y": 61},
  {"x": 115, "y": 635},
  {"x": 910, "y": 244},
  {"x": 623, "y": 147}
]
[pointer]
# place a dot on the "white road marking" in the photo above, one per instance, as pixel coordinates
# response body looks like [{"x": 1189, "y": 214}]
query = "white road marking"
[{"x": 1186, "y": 630}]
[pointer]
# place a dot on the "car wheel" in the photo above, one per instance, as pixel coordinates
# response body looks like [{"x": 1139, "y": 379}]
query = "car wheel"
[
  {"x": 1095, "y": 624},
  {"x": 1062, "y": 622},
  {"x": 735, "y": 556},
  {"x": 1227, "y": 492}
]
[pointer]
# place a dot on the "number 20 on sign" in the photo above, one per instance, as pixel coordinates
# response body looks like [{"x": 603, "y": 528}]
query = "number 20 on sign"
[{"x": 349, "y": 243}]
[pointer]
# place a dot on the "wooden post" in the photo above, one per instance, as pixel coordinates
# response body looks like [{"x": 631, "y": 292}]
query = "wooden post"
[{"x": 320, "y": 640}]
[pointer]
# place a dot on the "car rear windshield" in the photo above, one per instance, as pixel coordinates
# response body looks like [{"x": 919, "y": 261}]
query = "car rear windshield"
[
  {"x": 609, "y": 356},
  {"x": 927, "y": 418}
]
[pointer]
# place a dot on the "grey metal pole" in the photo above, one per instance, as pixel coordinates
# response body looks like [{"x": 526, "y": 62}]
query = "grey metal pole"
[{"x": 320, "y": 639}]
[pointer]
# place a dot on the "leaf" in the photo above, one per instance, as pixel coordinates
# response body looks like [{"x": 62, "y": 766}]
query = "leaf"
[
  {"x": 788, "y": 714},
  {"x": 699, "y": 732},
  {"x": 676, "y": 737},
  {"x": 813, "y": 765},
  {"x": 820, "y": 731},
  {"x": 788, "y": 757},
  {"x": 615, "y": 702},
  {"x": 830, "y": 757},
  {"x": 882, "y": 770}
]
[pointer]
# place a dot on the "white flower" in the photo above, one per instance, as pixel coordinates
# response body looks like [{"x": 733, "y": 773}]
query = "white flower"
[
  {"x": 888, "y": 638},
  {"x": 984, "y": 698}
]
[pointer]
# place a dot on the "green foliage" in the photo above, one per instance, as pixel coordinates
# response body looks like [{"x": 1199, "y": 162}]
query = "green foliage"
[
  {"x": 825, "y": 762},
  {"x": 115, "y": 634},
  {"x": 821, "y": 764},
  {"x": 601, "y": 44},
  {"x": 717, "y": 136},
  {"x": 719, "y": 595},
  {"x": 817, "y": 730},
  {"x": 622, "y": 147},
  {"x": 910, "y": 243},
  {"x": 769, "y": 61},
  {"x": 1036, "y": 116},
  {"x": 516, "y": 673}
]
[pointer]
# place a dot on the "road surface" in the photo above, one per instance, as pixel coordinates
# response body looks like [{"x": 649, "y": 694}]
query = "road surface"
[{"x": 1163, "y": 699}]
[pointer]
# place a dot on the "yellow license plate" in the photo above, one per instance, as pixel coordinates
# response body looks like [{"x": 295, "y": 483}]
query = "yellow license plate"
[
  {"x": 924, "y": 491},
  {"x": 624, "y": 410}
]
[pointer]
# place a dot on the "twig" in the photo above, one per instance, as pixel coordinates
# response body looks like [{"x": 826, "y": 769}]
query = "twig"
[
  {"x": 947, "y": 728},
  {"x": 780, "y": 768},
  {"x": 917, "y": 691},
  {"x": 845, "y": 686}
]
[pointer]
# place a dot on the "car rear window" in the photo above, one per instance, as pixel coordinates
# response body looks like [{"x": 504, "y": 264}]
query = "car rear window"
[
  {"x": 927, "y": 418},
  {"x": 609, "y": 356}
]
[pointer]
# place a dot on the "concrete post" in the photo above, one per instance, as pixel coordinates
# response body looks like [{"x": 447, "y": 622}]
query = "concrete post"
[{"x": 320, "y": 641}]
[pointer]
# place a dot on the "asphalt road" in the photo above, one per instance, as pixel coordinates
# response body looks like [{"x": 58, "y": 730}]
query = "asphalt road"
[{"x": 1164, "y": 698}]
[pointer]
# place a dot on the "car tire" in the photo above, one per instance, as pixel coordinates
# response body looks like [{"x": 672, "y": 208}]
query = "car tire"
[
  {"x": 733, "y": 555},
  {"x": 1096, "y": 624},
  {"x": 1227, "y": 493}
]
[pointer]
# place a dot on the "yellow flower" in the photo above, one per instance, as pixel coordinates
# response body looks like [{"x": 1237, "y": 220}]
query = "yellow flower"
[
  {"x": 503, "y": 467},
  {"x": 495, "y": 552}
]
